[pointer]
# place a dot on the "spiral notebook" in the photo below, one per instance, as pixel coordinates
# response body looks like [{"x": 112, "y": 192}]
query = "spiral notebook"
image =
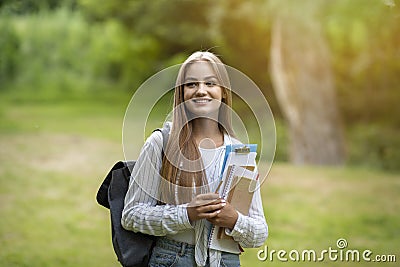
[{"x": 239, "y": 183}]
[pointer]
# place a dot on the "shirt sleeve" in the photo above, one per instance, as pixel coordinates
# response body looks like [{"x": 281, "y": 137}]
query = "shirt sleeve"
[
  {"x": 252, "y": 230},
  {"x": 141, "y": 211}
]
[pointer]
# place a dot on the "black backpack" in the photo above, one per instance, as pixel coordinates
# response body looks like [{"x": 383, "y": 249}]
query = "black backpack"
[{"x": 132, "y": 249}]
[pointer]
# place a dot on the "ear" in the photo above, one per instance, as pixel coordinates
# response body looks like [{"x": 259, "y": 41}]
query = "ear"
[{"x": 223, "y": 94}]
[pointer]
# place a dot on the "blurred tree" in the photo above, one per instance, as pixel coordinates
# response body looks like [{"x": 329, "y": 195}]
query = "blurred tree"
[
  {"x": 302, "y": 77},
  {"x": 364, "y": 36},
  {"x": 179, "y": 26},
  {"x": 32, "y": 6},
  {"x": 9, "y": 45},
  {"x": 85, "y": 45},
  {"x": 241, "y": 32}
]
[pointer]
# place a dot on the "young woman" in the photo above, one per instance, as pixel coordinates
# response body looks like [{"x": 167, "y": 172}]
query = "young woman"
[{"x": 171, "y": 196}]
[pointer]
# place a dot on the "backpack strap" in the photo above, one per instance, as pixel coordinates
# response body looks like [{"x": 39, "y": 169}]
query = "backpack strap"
[
  {"x": 165, "y": 135},
  {"x": 102, "y": 193}
]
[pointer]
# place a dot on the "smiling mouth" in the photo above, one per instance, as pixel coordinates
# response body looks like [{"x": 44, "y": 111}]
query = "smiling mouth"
[{"x": 201, "y": 101}]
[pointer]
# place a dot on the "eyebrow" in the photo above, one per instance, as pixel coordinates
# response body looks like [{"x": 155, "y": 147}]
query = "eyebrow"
[{"x": 205, "y": 78}]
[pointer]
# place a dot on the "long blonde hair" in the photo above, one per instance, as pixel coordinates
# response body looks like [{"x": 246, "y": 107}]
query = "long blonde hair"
[{"x": 182, "y": 170}]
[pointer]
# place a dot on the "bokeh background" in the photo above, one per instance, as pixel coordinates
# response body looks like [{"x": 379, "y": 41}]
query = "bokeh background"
[{"x": 329, "y": 69}]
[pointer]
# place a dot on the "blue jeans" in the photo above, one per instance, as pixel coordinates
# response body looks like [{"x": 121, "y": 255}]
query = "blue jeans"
[{"x": 168, "y": 253}]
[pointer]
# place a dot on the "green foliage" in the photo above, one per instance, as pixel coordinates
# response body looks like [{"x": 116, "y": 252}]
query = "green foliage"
[
  {"x": 78, "y": 49},
  {"x": 60, "y": 53},
  {"x": 32, "y": 6},
  {"x": 180, "y": 26},
  {"x": 9, "y": 45},
  {"x": 374, "y": 146},
  {"x": 282, "y": 141},
  {"x": 241, "y": 31},
  {"x": 364, "y": 38}
]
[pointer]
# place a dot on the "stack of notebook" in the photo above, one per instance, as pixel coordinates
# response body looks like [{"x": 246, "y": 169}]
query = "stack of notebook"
[{"x": 239, "y": 181}]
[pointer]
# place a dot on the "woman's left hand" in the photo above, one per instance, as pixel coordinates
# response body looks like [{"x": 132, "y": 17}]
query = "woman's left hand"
[{"x": 226, "y": 217}]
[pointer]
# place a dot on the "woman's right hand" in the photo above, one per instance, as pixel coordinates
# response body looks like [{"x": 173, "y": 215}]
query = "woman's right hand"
[{"x": 205, "y": 206}]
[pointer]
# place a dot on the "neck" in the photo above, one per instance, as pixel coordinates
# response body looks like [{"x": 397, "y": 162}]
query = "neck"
[{"x": 207, "y": 133}]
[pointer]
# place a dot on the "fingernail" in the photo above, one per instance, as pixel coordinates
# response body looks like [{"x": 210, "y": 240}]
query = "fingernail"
[
  {"x": 218, "y": 211},
  {"x": 223, "y": 204}
]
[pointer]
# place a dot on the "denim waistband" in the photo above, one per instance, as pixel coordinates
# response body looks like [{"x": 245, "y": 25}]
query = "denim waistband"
[{"x": 176, "y": 246}]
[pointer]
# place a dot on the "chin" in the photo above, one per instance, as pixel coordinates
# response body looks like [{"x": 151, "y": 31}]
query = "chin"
[{"x": 205, "y": 114}]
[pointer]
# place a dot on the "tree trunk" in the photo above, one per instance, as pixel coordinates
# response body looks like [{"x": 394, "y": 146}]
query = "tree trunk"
[{"x": 303, "y": 83}]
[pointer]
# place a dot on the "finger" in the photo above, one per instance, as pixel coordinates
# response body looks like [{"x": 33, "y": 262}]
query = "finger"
[
  {"x": 210, "y": 215},
  {"x": 208, "y": 196},
  {"x": 205, "y": 199},
  {"x": 210, "y": 208},
  {"x": 203, "y": 203}
]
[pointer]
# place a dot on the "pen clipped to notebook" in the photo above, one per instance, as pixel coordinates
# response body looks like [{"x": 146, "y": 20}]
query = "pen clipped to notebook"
[{"x": 219, "y": 186}]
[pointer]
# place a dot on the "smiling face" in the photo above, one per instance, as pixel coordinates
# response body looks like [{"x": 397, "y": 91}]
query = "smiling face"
[{"x": 201, "y": 91}]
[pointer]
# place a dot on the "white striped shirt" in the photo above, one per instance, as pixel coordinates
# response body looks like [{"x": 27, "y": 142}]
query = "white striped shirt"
[{"x": 142, "y": 214}]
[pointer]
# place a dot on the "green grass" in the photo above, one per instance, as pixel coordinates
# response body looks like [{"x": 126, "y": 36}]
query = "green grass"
[
  {"x": 54, "y": 154},
  {"x": 312, "y": 207}
]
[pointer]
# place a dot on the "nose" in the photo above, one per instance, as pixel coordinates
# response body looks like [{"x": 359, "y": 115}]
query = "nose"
[{"x": 201, "y": 89}]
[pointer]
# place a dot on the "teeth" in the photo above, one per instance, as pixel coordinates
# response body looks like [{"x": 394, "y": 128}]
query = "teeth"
[{"x": 202, "y": 100}]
